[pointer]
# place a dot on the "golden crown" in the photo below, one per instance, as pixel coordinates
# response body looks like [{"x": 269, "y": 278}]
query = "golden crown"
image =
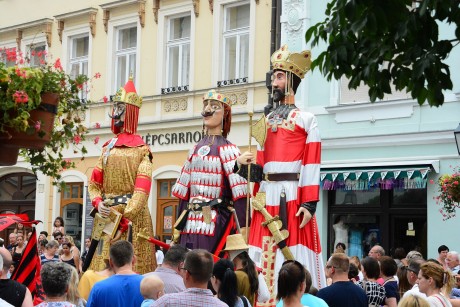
[
  {"x": 297, "y": 63},
  {"x": 128, "y": 94},
  {"x": 213, "y": 95}
]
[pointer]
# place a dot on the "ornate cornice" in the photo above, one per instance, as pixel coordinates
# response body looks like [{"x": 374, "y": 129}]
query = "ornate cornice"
[
  {"x": 45, "y": 24},
  {"x": 91, "y": 12},
  {"x": 106, "y": 7}
]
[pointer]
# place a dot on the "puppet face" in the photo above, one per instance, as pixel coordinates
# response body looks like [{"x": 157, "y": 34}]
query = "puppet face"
[
  {"x": 118, "y": 114},
  {"x": 213, "y": 113},
  {"x": 279, "y": 85}
]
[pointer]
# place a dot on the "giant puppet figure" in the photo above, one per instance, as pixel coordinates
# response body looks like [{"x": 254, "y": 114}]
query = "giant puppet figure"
[
  {"x": 122, "y": 178},
  {"x": 212, "y": 197},
  {"x": 290, "y": 159}
]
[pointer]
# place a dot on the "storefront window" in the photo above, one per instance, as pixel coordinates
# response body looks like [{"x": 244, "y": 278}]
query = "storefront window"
[
  {"x": 409, "y": 197},
  {"x": 391, "y": 218},
  {"x": 371, "y": 197},
  {"x": 358, "y": 232}
]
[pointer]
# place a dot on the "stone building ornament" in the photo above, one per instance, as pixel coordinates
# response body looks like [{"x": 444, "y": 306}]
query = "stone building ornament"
[
  {"x": 141, "y": 12},
  {"x": 18, "y": 38},
  {"x": 92, "y": 12},
  {"x": 292, "y": 20},
  {"x": 175, "y": 105},
  {"x": 156, "y": 7},
  {"x": 196, "y": 7},
  {"x": 106, "y": 7},
  {"x": 45, "y": 25},
  {"x": 211, "y": 6},
  {"x": 240, "y": 98}
]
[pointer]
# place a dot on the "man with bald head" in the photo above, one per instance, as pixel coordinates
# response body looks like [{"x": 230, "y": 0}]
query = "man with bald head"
[
  {"x": 452, "y": 261},
  {"x": 10, "y": 290},
  {"x": 376, "y": 252}
]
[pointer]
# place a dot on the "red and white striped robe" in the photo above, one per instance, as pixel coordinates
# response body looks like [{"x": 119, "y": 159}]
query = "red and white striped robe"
[{"x": 294, "y": 148}]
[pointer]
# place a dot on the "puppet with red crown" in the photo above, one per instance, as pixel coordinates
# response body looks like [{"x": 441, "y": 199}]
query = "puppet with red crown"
[{"x": 122, "y": 179}]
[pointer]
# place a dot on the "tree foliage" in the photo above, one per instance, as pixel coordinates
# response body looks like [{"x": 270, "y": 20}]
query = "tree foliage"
[{"x": 388, "y": 42}]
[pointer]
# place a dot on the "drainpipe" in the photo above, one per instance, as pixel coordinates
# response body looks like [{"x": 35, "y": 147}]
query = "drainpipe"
[{"x": 275, "y": 41}]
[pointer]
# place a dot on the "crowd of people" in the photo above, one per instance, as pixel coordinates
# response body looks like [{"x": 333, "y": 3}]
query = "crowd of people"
[{"x": 196, "y": 278}]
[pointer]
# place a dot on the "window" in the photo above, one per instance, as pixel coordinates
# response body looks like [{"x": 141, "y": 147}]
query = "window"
[
  {"x": 391, "y": 218},
  {"x": 8, "y": 56},
  {"x": 361, "y": 94},
  {"x": 236, "y": 41},
  {"x": 71, "y": 209},
  {"x": 125, "y": 54},
  {"x": 78, "y": 59},
  {"x": 36, "y": 54},
  {"x": 178, "y": 51}
]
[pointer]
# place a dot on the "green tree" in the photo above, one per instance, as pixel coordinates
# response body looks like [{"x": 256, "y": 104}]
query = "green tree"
[{"x": 388, "y": 42}]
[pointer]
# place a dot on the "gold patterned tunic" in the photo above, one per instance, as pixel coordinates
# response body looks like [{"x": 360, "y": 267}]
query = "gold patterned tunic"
[{"x": 126, "y": 170}]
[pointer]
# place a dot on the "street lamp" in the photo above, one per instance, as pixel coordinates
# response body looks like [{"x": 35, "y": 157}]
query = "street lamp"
[{"x": 457, "y": 138}]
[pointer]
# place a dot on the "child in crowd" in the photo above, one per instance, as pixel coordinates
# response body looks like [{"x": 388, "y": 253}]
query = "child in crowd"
[
  {"x": 10, "y": 271},
  {"x": 59, "y": 225},
  {"x": 152, "y": 288}
]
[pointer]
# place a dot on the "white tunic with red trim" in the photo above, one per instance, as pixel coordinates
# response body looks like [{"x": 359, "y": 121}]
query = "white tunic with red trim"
[
  {"x": 294, "y": 147},
  {"x": 209, "y": 175}
]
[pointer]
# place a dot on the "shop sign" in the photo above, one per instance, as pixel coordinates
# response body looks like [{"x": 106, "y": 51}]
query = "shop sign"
[{"x": 172, "y": 138}]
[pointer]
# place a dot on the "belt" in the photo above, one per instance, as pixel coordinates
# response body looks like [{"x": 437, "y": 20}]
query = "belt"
[
  {"x": 197, "y": 206},
  {"x": 117, "y": 200},
  {"x": 281, "y": 176}
]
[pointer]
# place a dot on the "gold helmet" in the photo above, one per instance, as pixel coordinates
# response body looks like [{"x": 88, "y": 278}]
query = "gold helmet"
[
  {"x": 133, "y": 103},
  {"x": 213, "y": 95},
  {"x": 296, "y": 63}
]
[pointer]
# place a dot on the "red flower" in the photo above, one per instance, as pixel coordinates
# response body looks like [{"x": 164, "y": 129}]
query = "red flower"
[
  {"x": 431, "y": 181},
  {"x": 97, "y": 125},
  {"x": 105, "y": 99},
  {"x": 20, "y": 97},
  {"x": 97, "y": 75},
  {"x": 57, "y": 64},
  {"x": 96, "y": 140},
  {"x": 77, "y": 139}
]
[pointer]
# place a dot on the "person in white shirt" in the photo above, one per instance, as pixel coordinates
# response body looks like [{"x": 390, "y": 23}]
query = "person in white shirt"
[{"x": 412, "y": 275}]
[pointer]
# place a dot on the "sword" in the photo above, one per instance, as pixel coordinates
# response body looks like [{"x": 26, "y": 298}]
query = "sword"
[
  {"x": 98, "y": 228},
  {"x": 143, "y": 235},
  {"x": 274, "y": 225}
]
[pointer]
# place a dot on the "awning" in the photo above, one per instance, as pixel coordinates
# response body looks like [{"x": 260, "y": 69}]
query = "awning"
[{"x": 367, "y": 178}]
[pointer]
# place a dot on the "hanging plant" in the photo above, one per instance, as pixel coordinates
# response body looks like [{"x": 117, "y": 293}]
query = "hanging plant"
[
  {"x": 41, "y": 112},
  {"x": 449, "y": 193}
]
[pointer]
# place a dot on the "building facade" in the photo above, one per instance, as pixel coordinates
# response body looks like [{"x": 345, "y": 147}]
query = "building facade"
[
  {"x": 380, "y": 161},
  {"x": 176, "y": 52}
]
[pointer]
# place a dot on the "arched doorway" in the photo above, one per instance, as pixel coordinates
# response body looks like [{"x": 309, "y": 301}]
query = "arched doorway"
[
  {"x": 166, "y": 209},
  {"x": 17, "y": 195},
  {"x": 71, "y": 209}
]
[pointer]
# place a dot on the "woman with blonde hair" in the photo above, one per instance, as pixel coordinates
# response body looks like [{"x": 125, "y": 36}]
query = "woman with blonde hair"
[
  {"x": 413, "y": 301},
  {"x": 73, "y": 295},
  {"x": 434, "y": 281}
]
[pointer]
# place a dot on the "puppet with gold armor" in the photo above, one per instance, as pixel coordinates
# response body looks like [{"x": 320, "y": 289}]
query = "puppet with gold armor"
[
  {"x": 289, "y": 162},
  {"x": 207, "y": 187},
  {"x": 122, "y": 178}
]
